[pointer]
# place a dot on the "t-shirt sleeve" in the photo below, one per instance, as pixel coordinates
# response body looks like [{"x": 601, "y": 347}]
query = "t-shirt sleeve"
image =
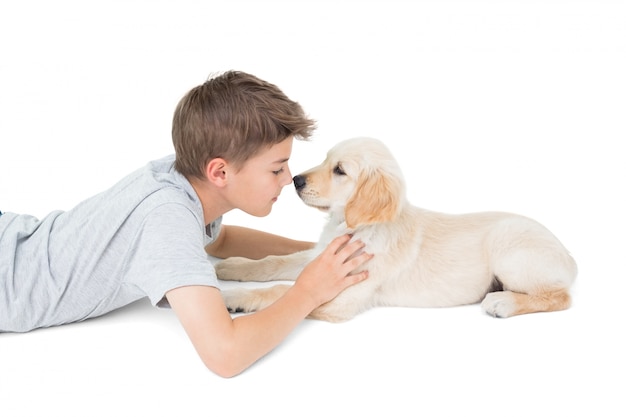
[{"x": 169, "y": 253}]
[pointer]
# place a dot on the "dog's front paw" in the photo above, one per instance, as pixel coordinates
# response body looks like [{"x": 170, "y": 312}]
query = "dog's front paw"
[
  {"x": 236, "y": 269},
  {"x": 244, "y": 300},
  {"x": 500, "y": 304},
  {"x": 238, "y": 301}
]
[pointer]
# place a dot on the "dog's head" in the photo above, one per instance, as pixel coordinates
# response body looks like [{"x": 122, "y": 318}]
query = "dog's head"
[{"x": 359, "y": 179}]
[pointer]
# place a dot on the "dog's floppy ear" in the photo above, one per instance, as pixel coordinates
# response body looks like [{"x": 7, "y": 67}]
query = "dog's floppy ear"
[{"x": 375, "y": 200}]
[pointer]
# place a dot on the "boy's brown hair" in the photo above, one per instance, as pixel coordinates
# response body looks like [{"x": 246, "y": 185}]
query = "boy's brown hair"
[{"x": 233, "y": 116}]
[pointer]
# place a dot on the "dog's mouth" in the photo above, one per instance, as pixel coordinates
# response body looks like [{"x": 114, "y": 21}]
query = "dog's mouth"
[
  {"x": 312, "y": 201},
  {"x": 321, "y": 208},
  {"x": 315, "y": 205}
]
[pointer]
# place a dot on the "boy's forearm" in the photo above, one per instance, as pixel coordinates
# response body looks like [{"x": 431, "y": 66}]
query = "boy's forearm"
[
  {"x": 259, "y": 333},
  {"x": 253, "y": 244},
  {"x": 228, "y": 346}
]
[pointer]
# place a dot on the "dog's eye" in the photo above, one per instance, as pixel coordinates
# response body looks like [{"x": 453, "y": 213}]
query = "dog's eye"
[{"x": 338, "y": 170}]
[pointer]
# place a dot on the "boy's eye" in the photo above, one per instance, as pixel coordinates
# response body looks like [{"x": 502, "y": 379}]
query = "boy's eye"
[{"x": 280, "y": 171}]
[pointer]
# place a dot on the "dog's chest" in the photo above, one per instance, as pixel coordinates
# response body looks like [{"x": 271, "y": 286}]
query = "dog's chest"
[
  {"x": 333, "y": 229},
  {"x": 367, "y": 235}
]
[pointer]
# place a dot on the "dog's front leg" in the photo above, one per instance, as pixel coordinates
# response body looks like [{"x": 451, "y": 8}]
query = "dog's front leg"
[
  {"x": 270, "y": 268},
  {"x": 242, "y": 300},
  {"x": 248, "y": 300}
]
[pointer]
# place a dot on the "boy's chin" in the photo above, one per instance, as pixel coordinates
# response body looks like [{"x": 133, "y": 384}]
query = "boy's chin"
[{"x": 260, "y": 213}]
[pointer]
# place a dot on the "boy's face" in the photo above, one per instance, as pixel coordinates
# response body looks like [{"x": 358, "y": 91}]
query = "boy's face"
[{"x": 256, "y": 187}]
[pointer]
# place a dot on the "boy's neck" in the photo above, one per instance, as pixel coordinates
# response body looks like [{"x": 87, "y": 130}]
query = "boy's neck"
[{"x": 213, "y": 205}]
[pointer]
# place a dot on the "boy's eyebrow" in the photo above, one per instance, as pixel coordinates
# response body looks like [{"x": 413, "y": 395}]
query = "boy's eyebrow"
[{"x": 281, "y": 161}]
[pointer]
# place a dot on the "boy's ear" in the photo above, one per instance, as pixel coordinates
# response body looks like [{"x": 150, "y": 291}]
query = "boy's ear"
[{"x": 216, "y": 171}]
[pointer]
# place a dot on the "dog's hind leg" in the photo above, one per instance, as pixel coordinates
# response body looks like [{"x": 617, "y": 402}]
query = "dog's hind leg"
[
  {"x": 509, "y": 303},
  {"x": 536, "y": 273}
]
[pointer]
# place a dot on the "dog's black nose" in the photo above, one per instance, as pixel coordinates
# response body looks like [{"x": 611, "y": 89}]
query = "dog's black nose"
[{"x": 299, "y": 181}]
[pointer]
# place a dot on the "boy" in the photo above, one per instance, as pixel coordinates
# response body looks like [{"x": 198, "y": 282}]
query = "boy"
[{"x": 148, "y": 236}]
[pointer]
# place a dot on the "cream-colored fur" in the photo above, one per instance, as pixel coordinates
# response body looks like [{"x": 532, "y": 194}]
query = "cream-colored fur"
[{"x": 511, "y": 263}]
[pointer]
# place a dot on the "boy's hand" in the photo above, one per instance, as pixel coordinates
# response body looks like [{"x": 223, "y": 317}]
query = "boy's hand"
[
  {"x": 228, "y": 346},
  {"x": 333, "y": 270}
]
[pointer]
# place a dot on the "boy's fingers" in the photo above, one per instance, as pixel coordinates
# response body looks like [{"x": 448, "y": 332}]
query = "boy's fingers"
[
  {"x": 356, "y": 278},
  {"x": 357, "y": 259},
  {"x": 350, "y": 248},
  {"x": 339, "y": 243}
]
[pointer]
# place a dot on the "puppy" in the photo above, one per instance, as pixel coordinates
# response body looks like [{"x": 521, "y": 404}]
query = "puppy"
[{"x": 511, "y": 263}]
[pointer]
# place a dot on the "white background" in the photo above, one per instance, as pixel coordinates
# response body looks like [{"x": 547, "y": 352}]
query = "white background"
[{"x": 488, "y": 105}]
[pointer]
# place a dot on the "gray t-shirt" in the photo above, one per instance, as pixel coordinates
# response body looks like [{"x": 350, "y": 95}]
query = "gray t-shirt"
[{"x": 141, "y": 238}]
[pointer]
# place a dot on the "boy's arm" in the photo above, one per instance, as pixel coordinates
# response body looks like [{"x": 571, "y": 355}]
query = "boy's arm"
[
  {"x": 253, "y": 244},
  {"x": 228, "y": 346}
]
